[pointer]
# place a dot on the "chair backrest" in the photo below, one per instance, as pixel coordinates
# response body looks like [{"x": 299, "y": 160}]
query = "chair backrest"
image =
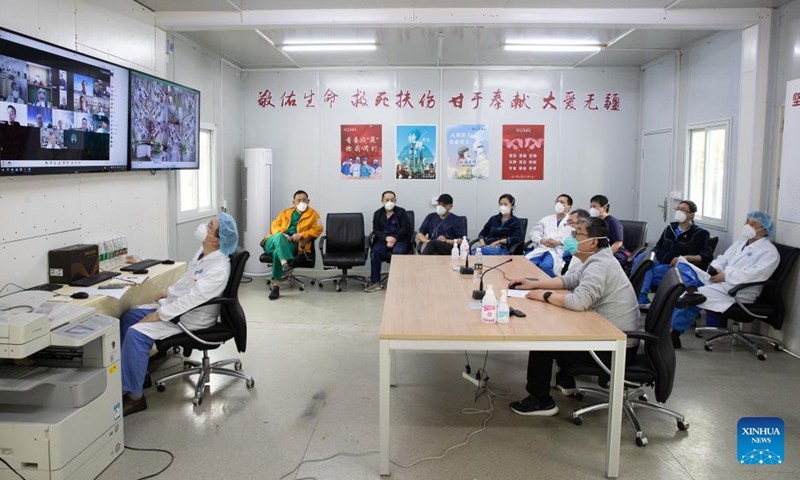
[
  {"x": 524, "y": 222},
  {"x": 639, "y": 272},
  {"x": 345, "y": 232},
  {"x": 517, "y": 248},
  {"x": 660, "y": 353},
  {"x": 773, "y": 294},
  {"x": 232, "y": 313},
  {"x": 411, "y": 220},
  {"x": 634, "y": 234}
]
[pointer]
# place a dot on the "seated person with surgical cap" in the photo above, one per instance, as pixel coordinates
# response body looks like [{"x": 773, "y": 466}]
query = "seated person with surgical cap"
[
  {"x": 206, "y": 277},
  {"x": 753, "y": 258}
]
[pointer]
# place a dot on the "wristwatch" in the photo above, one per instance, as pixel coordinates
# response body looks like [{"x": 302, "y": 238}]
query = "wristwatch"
[{"x": 547, "y": 296}]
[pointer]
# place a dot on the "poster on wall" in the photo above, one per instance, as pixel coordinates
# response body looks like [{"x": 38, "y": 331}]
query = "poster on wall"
[
  {"x": 415, "y": 151},
  {"x": 523, "y": 152},
  {"x": 468, "y": 151},
  {"x": 361, "y": 152}
]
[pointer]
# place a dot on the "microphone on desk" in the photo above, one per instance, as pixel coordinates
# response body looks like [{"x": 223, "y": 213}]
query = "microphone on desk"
[
  {"x": 478, "y": 294},
  {"x": 466, "y": 269}
]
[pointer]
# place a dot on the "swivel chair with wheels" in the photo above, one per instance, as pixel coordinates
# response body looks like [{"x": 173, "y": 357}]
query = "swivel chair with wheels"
[
  {"x": 654, "y": 367},
  {"x": 232, "y": 325},
  {"x": 344, "y": 247},
  {"x": 306, "y": 257},
  {"x": 768, "y": 308},
  {"x": 634, "y": 239}
]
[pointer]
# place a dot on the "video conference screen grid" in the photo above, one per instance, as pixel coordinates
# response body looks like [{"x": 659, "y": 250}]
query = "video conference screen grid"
[
  {"x": 164, "y": 124},
  {"x": 60, "y": 111}
]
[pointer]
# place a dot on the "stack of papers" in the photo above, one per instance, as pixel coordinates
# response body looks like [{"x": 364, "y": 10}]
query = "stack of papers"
[{"x": 128, "y": 280}]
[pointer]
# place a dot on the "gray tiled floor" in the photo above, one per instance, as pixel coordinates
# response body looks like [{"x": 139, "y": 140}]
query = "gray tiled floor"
[{"x": 314, "y": 356}]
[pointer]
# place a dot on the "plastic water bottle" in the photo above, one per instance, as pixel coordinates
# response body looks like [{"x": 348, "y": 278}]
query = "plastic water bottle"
[
  {"x": 502, "y": 308},
  {"x": 101, "y": 254},
  {"x": 455, "y": 262},
  {"x": 477, "y": 265},
  {"x": 489, "y": 306},
  {"x": 464, "y": 248}
]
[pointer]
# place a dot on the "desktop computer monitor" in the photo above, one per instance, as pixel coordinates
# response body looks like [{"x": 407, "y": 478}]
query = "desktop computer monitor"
[
  {"x": 164, "y": 124},
  {"x": 60, "y": 111}
]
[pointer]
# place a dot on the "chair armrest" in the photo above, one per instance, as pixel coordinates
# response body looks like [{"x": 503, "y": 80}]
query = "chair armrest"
[
  {"x": 322, "y": 244},
  {"x": 636, "y": 252},
  {"x": 516, "y": 246},
  {"x": 527, "y": 245},
  {"x": 608, "y": 371},
  {"x": 639, "y": 335},
  {"x": 733, "y": 291},
  {"x": 214, "y": 301},
  {"x": 301, "y": 247},
  {"x": 473, "y": 242},
  {"x": 196, "y": 338},
  {"x": 263, "y": 242}
]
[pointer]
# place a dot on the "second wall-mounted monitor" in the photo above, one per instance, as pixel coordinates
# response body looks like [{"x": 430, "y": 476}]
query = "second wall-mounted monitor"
[{"x": 164, "y": 124}]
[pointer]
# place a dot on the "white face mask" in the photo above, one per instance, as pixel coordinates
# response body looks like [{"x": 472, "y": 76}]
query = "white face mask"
[
  {"x": 505, "y": 209},
  {"x": 15, "y": 93},
  {"x": 680, "y": 216},
  {"x": 559, "y": 208},
  {"x": 594, "y": 212},
  {"x": 440, "y": 210},
  {"x": 201, "y": 232},
  {"x": 749, "y": 232},
  {"x": 389, "y": 206},
  {"x": 302, "y": 206}
]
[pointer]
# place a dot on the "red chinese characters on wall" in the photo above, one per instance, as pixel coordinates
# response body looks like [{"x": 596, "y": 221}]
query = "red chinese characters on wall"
[{"x": 523, "y": 152}]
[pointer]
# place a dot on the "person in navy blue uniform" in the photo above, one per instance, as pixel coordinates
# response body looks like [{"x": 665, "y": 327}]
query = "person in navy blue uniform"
[
  {"x": 600, "y": 207},
  {"x": 441, "y": 229},
  {"x": 680, "y": 238},
  {"x": 502, "y": 230},
  {"x": 391, "y": 233}
]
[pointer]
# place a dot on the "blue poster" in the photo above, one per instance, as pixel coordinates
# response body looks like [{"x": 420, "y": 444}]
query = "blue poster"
[
  {"x": 415, "y": 152},
  {"x": 467, "y": 151}
]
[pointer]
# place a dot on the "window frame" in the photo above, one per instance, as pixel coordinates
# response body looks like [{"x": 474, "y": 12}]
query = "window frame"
[
  {"x": 724, "y": 124},
  {"x": 195, "y": 214}
]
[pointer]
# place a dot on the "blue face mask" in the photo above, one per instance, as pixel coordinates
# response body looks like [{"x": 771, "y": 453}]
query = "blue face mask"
[{"x": 570, "y": 245}]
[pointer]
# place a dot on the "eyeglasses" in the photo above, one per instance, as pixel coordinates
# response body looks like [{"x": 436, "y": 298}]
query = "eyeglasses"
[
  {"x": 575, "y": 234},
  {"x": 687, "y": 212}
]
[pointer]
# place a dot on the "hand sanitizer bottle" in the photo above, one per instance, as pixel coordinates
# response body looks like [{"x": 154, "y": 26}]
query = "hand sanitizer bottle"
[
  {"x": 489, "y": 306},
  {"x": 502, "y": 308},
  {"x": 464, "y": 249},
  {"x": 455, "y": 262}
]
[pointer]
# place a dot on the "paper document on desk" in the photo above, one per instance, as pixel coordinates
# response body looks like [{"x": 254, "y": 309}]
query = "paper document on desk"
[
  {"x": 128, "y": 280},
  {"x": 517, "y": 293},
  {"x": 109, "y": 292},
  {"x": 704, "y": 277}
]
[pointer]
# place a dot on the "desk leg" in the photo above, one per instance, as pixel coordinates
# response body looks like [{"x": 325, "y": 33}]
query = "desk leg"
[
  {"x": 615, "y": 409},
  {"x": 394, "y": 368},
  {"x": 384, "y": 379}
]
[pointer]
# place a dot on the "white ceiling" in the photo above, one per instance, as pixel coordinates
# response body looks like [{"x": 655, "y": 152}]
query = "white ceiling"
[{"x": 459, "y": 33}]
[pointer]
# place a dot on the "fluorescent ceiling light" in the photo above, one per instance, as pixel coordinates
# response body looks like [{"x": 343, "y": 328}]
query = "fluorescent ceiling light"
[
  {"x": 297, "y": 46},
  {"x": 528, "y": 47}
]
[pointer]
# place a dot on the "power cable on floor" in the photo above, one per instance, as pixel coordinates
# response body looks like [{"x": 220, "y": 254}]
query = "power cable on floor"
[{"x": 171, "y": 459}]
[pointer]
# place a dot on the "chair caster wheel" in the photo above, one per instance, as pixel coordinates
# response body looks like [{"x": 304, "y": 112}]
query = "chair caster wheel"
[
  {"x": 577, "y": 420},
  {"x": 176, "y": 350},
  {"x": 708, "y": 347},
  {"x": 250, "y": 383},
  {"x": 237, "y": 366},
  {"x": 338, "y": 288},
  {"x": 761, "y": 356},
  {"x": 197, "y": 401},
  {"x": 313, "y": 282},
  {"x": 778, "y": 348},
  {"x": 161, "y": 387},
  {"x": 578, "y": 396},
  {"x": 683, "y": 426},
  {"x": 187, "y": 365},
  {"x": 641, "y": 442},
  {"x": 320, "y": 285},
  {"x": 302, "y": 289},
  {"x": 643, "y": 398},
  {"x": 698, "y": 334}
]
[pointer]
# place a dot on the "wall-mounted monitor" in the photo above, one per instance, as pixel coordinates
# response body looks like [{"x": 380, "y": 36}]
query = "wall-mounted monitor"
[
  {"x": 60, "y": 111},
  {"x": 164, "y": 124}
]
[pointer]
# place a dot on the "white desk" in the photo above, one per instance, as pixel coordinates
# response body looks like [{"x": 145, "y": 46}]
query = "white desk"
[{"x": 431, "y": 312}]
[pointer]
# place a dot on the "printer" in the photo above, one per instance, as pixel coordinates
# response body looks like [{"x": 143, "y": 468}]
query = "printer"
[{"x": 60, "y": 392}]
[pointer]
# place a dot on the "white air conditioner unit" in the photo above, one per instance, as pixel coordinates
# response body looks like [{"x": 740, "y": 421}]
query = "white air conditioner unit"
[{"x": 257, "y": 204}]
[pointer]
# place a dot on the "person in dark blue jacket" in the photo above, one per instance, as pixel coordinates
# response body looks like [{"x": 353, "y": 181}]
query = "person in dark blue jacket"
[
  {"x": 502, "y": 230},
  {"x": 391, "y": 234}
]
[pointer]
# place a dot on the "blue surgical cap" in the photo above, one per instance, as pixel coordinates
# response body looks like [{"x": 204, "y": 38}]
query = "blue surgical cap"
[
  {"x": 228, "y": 234},
  {"x": 765, "y": 220}
]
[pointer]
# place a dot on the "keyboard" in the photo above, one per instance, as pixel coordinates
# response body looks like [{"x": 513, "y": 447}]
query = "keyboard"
[
  {"x": 93, "y": 279},
  {"x": 46, "y": 287},
  {"x": 140, "y": 265}
]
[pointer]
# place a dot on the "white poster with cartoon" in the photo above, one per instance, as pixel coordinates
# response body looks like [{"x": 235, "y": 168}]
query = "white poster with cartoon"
[{"x": 467, "y": 151}]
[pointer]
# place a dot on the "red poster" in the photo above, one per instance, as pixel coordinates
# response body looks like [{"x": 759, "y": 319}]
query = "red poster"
[
  {"x": 523, "y": 152},
  {"x": 361, "y": 155}
]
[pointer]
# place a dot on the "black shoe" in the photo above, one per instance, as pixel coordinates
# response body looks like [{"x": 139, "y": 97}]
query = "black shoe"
[
  {"x": 690, "y": 299},
  {"x": 530, "y": 406},
  {"x": 566, "y": 384},
  {"x": 287, "y": 268},
  {"x": 676, "y": 339},
  {"x": 148, "y": 381},
  {"x": 274, "y": 293},
  {"x": 133, "y": 406},
  {"x": 156, "y": 361}
]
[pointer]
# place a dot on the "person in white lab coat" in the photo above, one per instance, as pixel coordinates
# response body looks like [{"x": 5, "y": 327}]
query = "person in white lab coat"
[
  {"x": 751, "y": 259},
  {"x": 549, "y": 234},
  {"x": 205, "y": 278}
]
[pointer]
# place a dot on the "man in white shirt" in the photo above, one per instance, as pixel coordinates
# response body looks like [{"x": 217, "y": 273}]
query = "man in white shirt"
[
  {"x": 206, "y": 277},
  {"x": 549, "y": 234}
]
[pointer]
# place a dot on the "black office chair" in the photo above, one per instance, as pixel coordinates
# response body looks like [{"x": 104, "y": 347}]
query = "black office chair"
[
  {"x": 711, "y": 246},
  {"x": 344, "y": 247},
  {"x": 653, "y": 367},
  {"x": 768, "y": 307},
  {"x": 640, "y": 271},
  {"x": 306, "y": 257},
  {"x": 232, "y": 324},
  {"x": 634, "y": 239}
]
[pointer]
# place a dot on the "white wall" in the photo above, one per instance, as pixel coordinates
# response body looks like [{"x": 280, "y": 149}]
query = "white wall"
[
  {"x": 585, "y": 152},
  {"x": 41, "y": 213},
  {"x": 787, "y": 45}
]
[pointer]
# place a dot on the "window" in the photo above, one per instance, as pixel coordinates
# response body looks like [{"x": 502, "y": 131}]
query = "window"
[
  {"x": 196, "y": 187},
  {"x": 707, "y": 171}
]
